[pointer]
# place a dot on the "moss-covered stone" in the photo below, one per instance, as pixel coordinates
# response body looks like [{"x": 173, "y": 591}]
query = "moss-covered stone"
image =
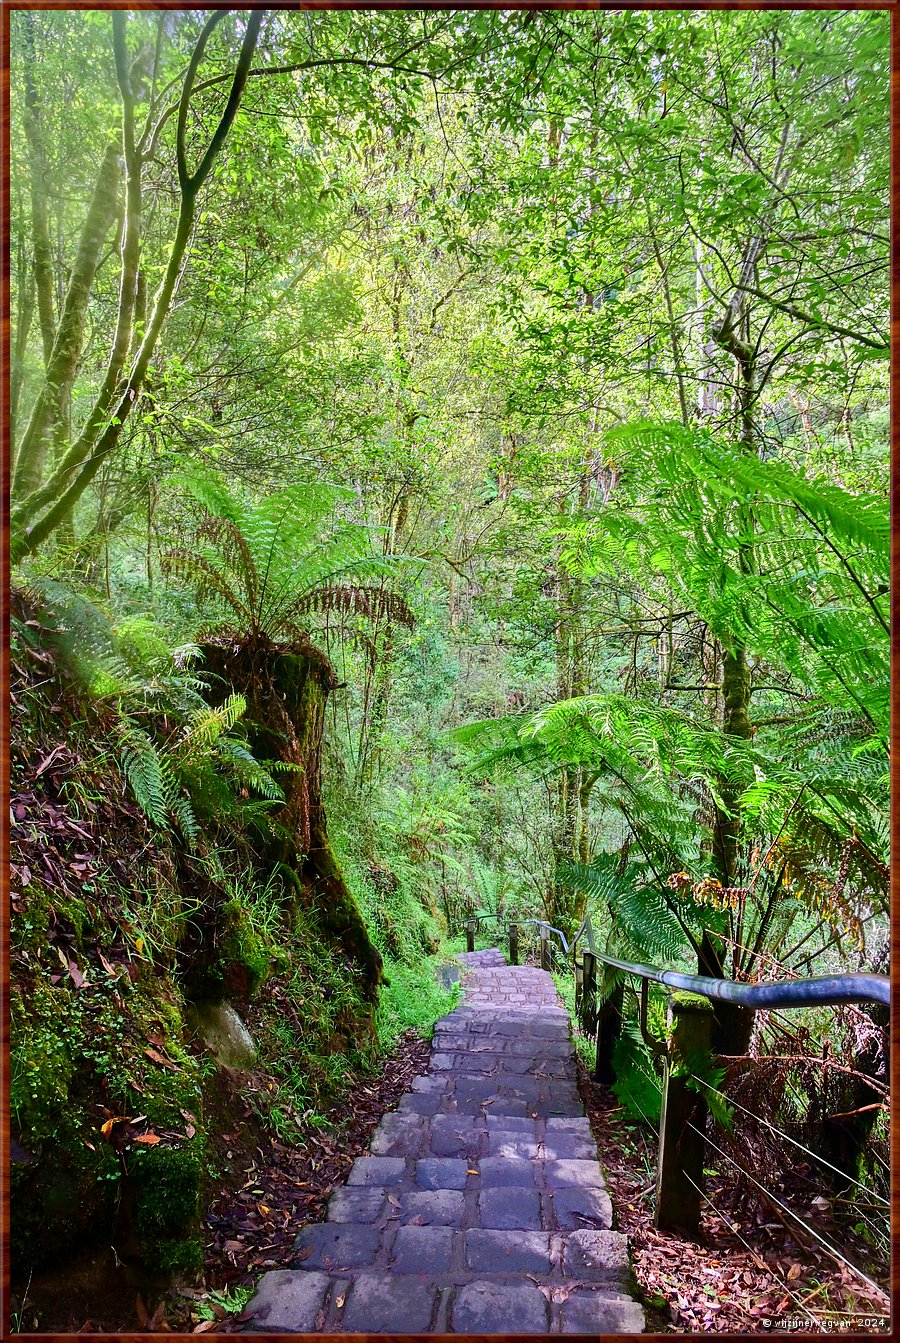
[
  {"x": 246, "y": 956},
  {"x": 167, "y": 1184}
]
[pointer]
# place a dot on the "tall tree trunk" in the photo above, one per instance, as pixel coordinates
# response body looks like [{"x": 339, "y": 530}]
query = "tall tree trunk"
[
  {"x": 25, "y": 291},
  {"x": 42, "y": 255},
  {"x": 32, "y": 450},
  {"x": 733, "y": 1026}
]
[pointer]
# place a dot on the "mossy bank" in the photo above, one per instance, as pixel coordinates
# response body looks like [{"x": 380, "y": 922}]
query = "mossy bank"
[{"x": 128, "y": 939}]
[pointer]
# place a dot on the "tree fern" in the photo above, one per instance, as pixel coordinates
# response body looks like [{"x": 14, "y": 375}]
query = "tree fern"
[
  {"x": 272, "y": 564},
  {"x": 814, "y": 602}
]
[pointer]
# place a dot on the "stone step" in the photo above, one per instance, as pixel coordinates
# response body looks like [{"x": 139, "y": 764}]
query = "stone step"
[
  {"x": 444, "y": 1252},
  {"x": 481, "y": 1207},
  {"x": 501, "y": 1206},
  {"x": 294, "y": 1301}
]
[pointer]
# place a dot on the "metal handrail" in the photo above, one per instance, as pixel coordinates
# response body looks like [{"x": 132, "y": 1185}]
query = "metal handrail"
[{"x": 821, "y": 991}]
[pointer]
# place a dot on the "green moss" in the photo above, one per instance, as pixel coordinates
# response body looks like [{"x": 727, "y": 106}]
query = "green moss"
[
  {"x": 77, "y": 1049},
  {"x": 173, "y": 1256},
  {"x": 41, "y": 1061},
  {"x": 43, "y": 907},
  {"x": 167, "y": 1183},
  {"x": 684, "y": 1001},
  {"x": 243, "y": 946}
]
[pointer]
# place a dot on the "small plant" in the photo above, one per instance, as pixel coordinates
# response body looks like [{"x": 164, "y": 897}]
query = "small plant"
[{"x": 232, "y": 1301}]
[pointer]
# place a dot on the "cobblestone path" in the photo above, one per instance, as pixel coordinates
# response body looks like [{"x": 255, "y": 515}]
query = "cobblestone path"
[{"x": 482, "y": 1208}]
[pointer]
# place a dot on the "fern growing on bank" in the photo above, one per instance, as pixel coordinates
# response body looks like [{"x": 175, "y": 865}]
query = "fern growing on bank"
[{"x": 199, "y": 774}]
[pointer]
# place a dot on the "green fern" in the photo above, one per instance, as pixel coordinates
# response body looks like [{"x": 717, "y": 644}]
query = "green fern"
[
  {"x": 637, "y": 1085},
  {"x": 642, "y": 923},
  {"x": 273, "y": 564},
  {"x": 702, "y": 1075},
  {"x": 143, "y": 767}
]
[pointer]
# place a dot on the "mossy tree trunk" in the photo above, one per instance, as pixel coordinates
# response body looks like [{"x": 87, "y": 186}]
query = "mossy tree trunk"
[{"x": 286, "y": 691}]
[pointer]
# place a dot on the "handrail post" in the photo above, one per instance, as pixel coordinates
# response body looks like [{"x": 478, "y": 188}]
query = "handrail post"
[
  {"x": 609, "y": 1028},
  {"x": 545, "y": 950},
  {"x": 470, "y": 935},
  {"x": 514, "y": 944},
  {"x": 588, "y": 992},
  {"x": 682, "y": 1119},
  {"x": 578, "y": 971}
]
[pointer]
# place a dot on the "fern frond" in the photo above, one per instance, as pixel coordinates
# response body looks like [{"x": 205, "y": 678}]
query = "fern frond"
[
  {"x": 186, "y": 820},
  {"x": 142, "y": 766},
  {"x": 642, "y": 922},
  {"x": 201, "y": 572},
  {"x": 206, "y": 726},
  {"x": 373, "y": 603}
]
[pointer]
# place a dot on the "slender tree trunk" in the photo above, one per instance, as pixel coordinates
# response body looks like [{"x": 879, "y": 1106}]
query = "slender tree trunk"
[
  {"x": 63, "y": 359},
  {"x": 733, "y": 1027},
  {"x": 103, "y": 430},
  {"x": 25, "y": 293},
  {"x": 40, "y": 229}
]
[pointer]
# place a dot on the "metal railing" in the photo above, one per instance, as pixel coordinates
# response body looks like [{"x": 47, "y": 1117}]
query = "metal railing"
[
  {"x": 818, "y": 991},
  {"x": 682, "y": 1138}
]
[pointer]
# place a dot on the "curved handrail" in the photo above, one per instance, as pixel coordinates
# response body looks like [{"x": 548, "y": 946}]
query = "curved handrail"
[
  {"x": 822, "y": 991},
  {"x": 541, "y": 923}
]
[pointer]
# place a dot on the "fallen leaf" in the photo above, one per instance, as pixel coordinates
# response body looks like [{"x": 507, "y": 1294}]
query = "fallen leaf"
[
  {"x": 204, "y": 1326},
  {"x": 156, "y": 1057},
  {"x": 107, "y": 1128},
  {"x": 148, "y": 1139},
  {"x": 75, "y": 975}
]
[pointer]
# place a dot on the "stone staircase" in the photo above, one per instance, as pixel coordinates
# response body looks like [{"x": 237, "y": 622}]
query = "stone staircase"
[{"x": 482, "y": 1207}]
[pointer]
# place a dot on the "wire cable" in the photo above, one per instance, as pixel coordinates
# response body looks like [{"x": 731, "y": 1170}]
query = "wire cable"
[
  {"x": 753, "y": 1115},
  {"x": 826, "y": 1245},
  {"x": 733, "y": 1228}
]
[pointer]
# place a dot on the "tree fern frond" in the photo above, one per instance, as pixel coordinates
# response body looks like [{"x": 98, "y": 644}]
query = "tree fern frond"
[
  {"x": 196, "y": 569},
  {"x": 642, "y": 922},
  {"x": 374, "y": 603}
]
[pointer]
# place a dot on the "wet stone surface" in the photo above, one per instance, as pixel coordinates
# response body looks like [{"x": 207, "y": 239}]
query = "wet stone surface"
[{"x": 482, "y": 1207}]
